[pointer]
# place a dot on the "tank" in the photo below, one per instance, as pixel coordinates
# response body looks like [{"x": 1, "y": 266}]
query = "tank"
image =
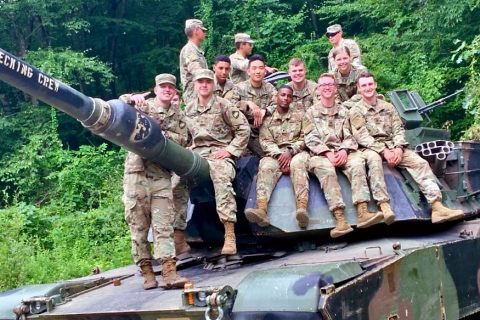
[{"x": 409, "y": 270}]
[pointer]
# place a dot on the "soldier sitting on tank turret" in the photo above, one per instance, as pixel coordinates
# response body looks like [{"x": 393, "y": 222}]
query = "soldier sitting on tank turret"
[
  {"x": 220, "y": 132},
  {"x": 223, "y": 85},
  {"x": 281, "y": 137},
  {"x": 332, "y": 145},
  {"x": 346, "y": 74},
  {"x": 377, "y": 126},
  {"x": 148, "y": 190},
  {"x": 303, "y": 89}
]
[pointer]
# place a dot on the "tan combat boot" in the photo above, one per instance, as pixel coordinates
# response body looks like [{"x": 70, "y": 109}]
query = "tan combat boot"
[
  {"x": 149, "y": 281},
  {"x": 181, "y": 245},
  {"x": 229, "y": 246},
  {"x": 366, "y": 218},
  {"x": 302, "y": 214},
  {"x": 388, "y": 215},
  {"x": 440, "y": 213},
  {"x": 170, "y": 279},
  {"x": 258, "y": 215},
  {"x": 341, "y": 226}
]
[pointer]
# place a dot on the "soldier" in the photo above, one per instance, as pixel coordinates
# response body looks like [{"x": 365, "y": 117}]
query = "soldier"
[
  {"x": 284, "y": 155},
  {"x": 219, "y": 133},
  {"x": 335, "y": 36},
  {"x": 346, "y": 74},
  {"x": 332, "y": 146},
  {"x": 223, "y": 85},
  {"x": 377, "y": 126},
  {"x": 303, "y": 89},
  {"x": 243, "y": 46},
  {"x": 148, "y": 192},
  {"x": 254, "y": 97},
  {"x": 191, "y": 56}
]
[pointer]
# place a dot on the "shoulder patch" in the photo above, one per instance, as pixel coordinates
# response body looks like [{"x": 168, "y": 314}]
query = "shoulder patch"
[
  {"x": 181, "y": 124},
  {"x": 236, "y": 114}
]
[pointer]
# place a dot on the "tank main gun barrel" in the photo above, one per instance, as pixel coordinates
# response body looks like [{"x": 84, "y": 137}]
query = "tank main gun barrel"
[{"x": 113, "y": 120}]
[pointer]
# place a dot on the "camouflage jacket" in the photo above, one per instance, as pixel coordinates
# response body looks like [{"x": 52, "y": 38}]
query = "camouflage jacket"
[
  {"x": 355, "y": 54},
  {"x": 173, "y": 126},
  {"x": 304, "y": 98},
  {"x": 191, "y": 59},
  {"x": 347, "y": 86},
  {"x": 218, "y": 125},
  {"x": 377, "y": 127},
  {"x": 262, "y": 97},
  {"x": 280, "y": 132},
  {"x": 239, "y": 66},
  {"x": 226, "y": 91},
  {"x": 328, "y": 129}
]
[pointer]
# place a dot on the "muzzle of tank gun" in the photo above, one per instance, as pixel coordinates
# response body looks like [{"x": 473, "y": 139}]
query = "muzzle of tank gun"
[{"x": 436, "y": 153}]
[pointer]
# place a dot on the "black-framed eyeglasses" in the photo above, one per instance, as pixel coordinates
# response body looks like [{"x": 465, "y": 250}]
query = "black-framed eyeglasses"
[{"x": 331, "y": 34}]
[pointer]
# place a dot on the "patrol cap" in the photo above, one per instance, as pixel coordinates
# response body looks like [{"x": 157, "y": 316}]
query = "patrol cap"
[
  {"x": 243, "y": 37},
  {"x": 166, "y": 78},
  {"x": 191, "y": 23},
  {"x": 334, "y": 28},
  {"x": 203, "y": 74}
]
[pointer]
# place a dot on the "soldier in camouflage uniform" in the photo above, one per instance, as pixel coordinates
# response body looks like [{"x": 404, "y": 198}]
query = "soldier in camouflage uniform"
[
  {"x": 148, "y": 192},
  {"x": 191, "y": 56},
  {"x": 255, "y": 98},
  {"x": 223, "y": 85},
  {"x": 346, "y": 75},
  {"x": 219, "y": 133},
  {"x": 284, "y": 155},
  {"x": 377, "y": 126},
  {"x": 331, "y": 145},
  {"x": 335, "y": 37},
  {"x": 303, "y": 89},
  {"x": 239, "y": 60}
]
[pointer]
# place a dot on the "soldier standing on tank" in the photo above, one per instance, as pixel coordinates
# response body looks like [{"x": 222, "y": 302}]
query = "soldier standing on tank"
[
  {"x": 219, "y": 133},
  {"x": 377, "y": 126},
  {"x": 239, "y": 60},
  {"x": 303, "y": 89},
  {"x": 332, "y": 146},
  {"x": 223, "y": 85},
  {"x": 255, "y": 98},
  {"x": 191, "y": 56},
  {"x": 284, "y": 155},
  {"x": 346, "y": 74},
  {"x": 335, "y": 37},
  {"x": 148, "y": 191}
]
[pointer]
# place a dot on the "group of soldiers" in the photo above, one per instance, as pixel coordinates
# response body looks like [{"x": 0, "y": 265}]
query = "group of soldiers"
[{"x": 339, "y": 122}]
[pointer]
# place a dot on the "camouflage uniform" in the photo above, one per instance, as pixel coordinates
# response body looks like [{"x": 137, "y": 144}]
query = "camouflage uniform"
[
  {"x": 191, "y": 59},
  {"x": 262, "y": 97},
  {"x": 347, "y": 86},
  {"x": 148, "y": 192},
  {"x": 239, "y": 65},
  {"x": 379, "y": 127},
  {"x": 355, "y": 54},
  {"x": 283, "y": 133},
  {"x": 330, "y": 131},
  {"x": 225, "y": 91},
  {"x": 219, "y": 125},
  {"x": 304, "y": 98}
]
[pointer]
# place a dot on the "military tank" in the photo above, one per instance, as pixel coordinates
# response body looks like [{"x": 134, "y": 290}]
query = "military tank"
[{"x": 409, "y": 270}]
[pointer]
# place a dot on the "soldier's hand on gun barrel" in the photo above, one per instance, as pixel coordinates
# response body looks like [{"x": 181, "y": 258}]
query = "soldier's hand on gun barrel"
[{"x": 138, "y": 99}]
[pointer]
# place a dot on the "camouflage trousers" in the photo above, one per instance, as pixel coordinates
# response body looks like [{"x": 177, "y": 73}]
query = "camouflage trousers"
[
  {"x": 189, "y": 93},
  {"x": 180, "y": 202},
  {"x": 148, "y": 202},
  {"x": 269, "y": 173},
  {"x": 421, "y": 172},
  {"x": 327, "y": 176},
  {"x": 222, "y": 173},
  {"x": 375, "y": 175}
]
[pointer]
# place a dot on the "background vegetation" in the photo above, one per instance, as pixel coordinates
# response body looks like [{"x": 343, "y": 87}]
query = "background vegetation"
[{"x": 60, "y": 186}]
